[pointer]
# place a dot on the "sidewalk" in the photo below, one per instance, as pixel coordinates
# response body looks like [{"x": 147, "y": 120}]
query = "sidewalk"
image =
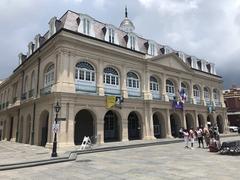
[{"x": 12, "y": 152}]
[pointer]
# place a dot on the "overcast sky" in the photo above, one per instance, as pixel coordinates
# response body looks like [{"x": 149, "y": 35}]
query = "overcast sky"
[{"x": 207, "y": 29}]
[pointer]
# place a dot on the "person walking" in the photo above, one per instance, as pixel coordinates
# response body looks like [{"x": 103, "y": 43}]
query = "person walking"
[
  {"x": 186, "y": 137},
  {"x": 199, "y": 133},
  {"x": 191, "y": 137}
]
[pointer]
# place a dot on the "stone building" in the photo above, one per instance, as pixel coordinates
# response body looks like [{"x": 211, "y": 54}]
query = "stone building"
[
  {"x": 232, "y": 101},
  {"x": 81, "y": 63}
]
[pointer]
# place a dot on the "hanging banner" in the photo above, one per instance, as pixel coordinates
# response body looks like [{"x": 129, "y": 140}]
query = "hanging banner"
[{"x": 111, "y": 101}]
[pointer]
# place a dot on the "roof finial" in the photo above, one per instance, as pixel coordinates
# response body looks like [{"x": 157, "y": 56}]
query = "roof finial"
[{"x": 126, "y": 14}]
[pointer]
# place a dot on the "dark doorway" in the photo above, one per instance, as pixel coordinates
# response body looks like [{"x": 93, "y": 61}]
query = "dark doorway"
[
  {"x": 134, "y": 128},
  {"x": 111, "y": 127},
  {"x": 175, "y": 125},
  {"x": 189, "y": 121},
  {"x": 156, "y": 126},
  {"x": 201, "y": 121},
  {"x": 44, "y": 128},
  {"x": 83, "y": 126},
  {"x": 11, "y": 129}
]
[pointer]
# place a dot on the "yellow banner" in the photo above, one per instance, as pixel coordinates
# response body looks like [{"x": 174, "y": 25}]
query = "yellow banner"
[{"x": 111, "y": 100}]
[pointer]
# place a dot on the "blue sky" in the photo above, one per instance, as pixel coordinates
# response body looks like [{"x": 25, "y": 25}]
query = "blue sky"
[{"x": 209, "y": 30}]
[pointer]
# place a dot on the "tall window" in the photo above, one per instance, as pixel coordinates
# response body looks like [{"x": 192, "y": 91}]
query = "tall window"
[
  {"x": 32, "y": 80},
  {"x": 170, "y": 87},
  {"x": 216, "y": 97},
  {"x": 86, "y": 26},
  {"x": 49, "y": 76},
  {"x": 154, "y": 87},
  {"x": 132, "y": 80},
  {"x": 132, "y": 42},
  {"x": 184, "y": 90},
  {"x": 196, "y": 91},
  {"x": 206, "y": 93},
  {"x": 111, "y": 35},
  {"x": 111, "y": 76},
  {"x": 26, "y": 84},
  {"x": 84, "y": 71},
  {"x": 154, "y": 84}
]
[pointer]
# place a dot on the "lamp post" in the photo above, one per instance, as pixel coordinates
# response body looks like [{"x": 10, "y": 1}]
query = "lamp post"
[{"x": 57, "y": 108}]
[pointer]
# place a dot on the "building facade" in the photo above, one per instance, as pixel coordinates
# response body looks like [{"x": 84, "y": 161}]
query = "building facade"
[
  {"x": 81, "y": 63},
  {"x": 232, "y": 101}
]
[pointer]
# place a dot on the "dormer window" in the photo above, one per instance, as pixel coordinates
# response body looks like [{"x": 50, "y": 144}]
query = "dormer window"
[
  {"x": 86, "y": 26},
  {"x": 151, "y": 50},
  {"x": 132, "y": 42},
  {"x": 111, "y": 35}
]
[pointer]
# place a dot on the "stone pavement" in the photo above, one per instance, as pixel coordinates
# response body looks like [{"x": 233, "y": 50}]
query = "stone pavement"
[{"x": 170, "y": 161}]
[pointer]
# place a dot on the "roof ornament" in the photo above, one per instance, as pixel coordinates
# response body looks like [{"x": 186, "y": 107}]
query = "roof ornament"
[{"x": 126, "y": 13}]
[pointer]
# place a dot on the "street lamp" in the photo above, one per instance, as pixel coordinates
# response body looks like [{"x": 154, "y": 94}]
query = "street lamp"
[{"x": 57, "y": 108}]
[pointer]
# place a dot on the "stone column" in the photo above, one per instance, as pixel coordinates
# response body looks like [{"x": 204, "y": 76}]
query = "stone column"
[
  {"x": 100, "y": 125},
  {"x": 100, "y": 85},
  {"x": 184, "y": 124},
  {"x": 125, "y": 129},
  {"x": 146, "y": 86},
  {"x": 124, "y": 91},
  {"x": 168, "y": 124},
  {"x": 164, "y": 93},
  {"x": 202, "y": 95},
  {"x": 196, "y": 120},
  {"x": 191, "y": 97}
]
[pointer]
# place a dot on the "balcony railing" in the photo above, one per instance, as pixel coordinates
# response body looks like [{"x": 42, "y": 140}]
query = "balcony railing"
[
  {"x": 134, "y": 92},
  {"x": 30, "y": 93},
  {"x": 46, "y": 90},
  {"x": 24, "y": 96}
]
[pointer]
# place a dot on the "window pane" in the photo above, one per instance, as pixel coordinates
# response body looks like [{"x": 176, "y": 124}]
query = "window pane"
[
  {"x": 93, "y": 76},
  {"x": 107, "y": 79},
  {"x": 81, "y": 75},
  {"x": 76, "y": 74},
  {"x": 113, "y": 80},
  {"x": 87, "y": 75}
]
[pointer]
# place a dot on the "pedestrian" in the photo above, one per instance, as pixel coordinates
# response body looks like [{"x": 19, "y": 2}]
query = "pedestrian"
[
  {"x": 199, "y": 133},
  {"x": 206, "y": 135},
  {"x": 191, "y": 137},
  {"x": 186, "y": 137}
]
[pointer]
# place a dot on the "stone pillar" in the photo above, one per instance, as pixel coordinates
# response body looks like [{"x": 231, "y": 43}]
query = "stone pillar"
[
  {"x": 196, "y": 124},
  {"x": 146, "y": 86},
  {"x": 202, "y": 95},
  {"x": 125, "y": 129},
  {"x": 164, "y": 93},
  {"x": 184, "y": 124},
  {"x": 100, "y": 126},
  {"x": 124, "y": 91},
  {"x": 100, "y": 85},
  {"x": 51, "y": 119},
  {"x": 168, "y": 124},
  {"x": 191, "y": 99},
  {"x": 222, "y": 99}
]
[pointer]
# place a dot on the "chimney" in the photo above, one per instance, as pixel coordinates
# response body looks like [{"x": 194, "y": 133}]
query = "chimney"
[
  {"x": 52, "y": 26},
  {"x": 21, "y": 58}
]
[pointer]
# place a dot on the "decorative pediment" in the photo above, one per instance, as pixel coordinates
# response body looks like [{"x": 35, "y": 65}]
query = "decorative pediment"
[{"x": 172, "y": 61}]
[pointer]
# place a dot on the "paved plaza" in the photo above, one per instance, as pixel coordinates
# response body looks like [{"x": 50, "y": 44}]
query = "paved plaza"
[{"x": 171, "y": 161}]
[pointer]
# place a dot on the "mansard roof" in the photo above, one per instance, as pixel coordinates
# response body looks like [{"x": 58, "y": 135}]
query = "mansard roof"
[{"x": 71, "y": 20}]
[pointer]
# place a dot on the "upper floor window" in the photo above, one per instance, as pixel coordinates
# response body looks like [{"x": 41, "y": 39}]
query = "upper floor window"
[
  {"x": 196, "y": 91},
  {"x": 132, "y": 42},
  {"x": 26, "y": 84},
  {"x": 84, "y": 71},
  {"x": 152, "y": 49},
  {"x": 206, "y": 93},
  {"x": 110, "y": 76},
  {"x": 111, "y": 35},
  {"x": 170, "y": 87},
  {"x": 153, "y": 84},
  {"x": 86, "y": 26},
  {"x": 32, "y": 80},
  {"x": 49, "y": 75},
  {"x": 216, "y": 95},
  {"x": 132, "y": 80}
]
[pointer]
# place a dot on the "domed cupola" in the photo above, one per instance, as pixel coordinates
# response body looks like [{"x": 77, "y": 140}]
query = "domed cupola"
[{"x": 126, "y": 24}]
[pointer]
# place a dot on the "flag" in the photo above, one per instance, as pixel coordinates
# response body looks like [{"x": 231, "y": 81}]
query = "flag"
[
  {"x": 183, "y": 95},
  {"x": 111, "y": 101}
]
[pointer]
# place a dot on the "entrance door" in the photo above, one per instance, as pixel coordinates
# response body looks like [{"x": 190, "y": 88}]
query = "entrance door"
[
  {"x": 111, "y": 127},
  {"x": 156, "y": 126},
  {"x": 83, "y": 126},
  {"x": 44, "y": 131},
  {"x": 174, "y": 125},
  {"x": 133, "y": 127}
]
